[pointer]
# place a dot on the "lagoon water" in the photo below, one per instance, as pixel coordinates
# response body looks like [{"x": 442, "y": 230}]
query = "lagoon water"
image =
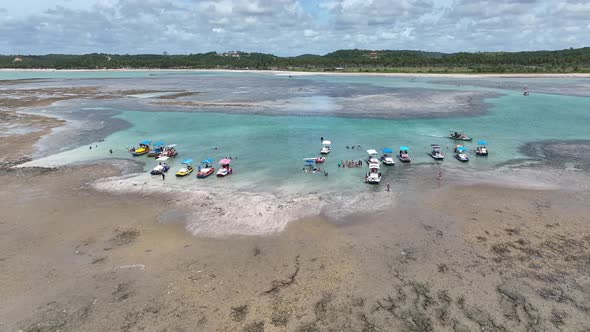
[{"x": 270, "y": 123}]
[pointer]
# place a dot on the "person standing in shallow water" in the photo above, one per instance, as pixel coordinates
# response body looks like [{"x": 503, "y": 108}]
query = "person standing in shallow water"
[
  {"x": 163, "y": 176},
  {"x": 322, "y": 138}
]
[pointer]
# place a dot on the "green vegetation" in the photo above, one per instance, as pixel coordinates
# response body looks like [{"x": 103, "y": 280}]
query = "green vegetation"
[{"x": 562, "y": 61}]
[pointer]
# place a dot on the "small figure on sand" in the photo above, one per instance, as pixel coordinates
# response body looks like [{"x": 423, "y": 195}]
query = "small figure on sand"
[
  {"x": 111, "y": 151},
  {"x": 388, "y": 186},
  {"x": 163, "y": 176}
]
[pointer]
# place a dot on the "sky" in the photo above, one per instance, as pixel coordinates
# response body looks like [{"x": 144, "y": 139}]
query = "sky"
[{"x": 290, "y": 27}]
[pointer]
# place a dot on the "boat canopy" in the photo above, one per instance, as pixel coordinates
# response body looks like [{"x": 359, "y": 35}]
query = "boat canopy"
[
  {"x": 404, "y": 148},
  {"x": 146, "y": 142},
  {"x": 371, "y": 151},
  {"x": 461, "y": 149},
  {"x": 159, "y": 143},
  {"x": 456, "y": 131},
  {"x": 312, "y": 159},
  {"x": 434, "y": 146},
  {"x": 482, "y": 142},
  {"x": 187, "y": 161},
  {"x": 224, "y": 161},
  {"x": 374, "y": 165},
  {"x": 309, "y": 162},
  {"x": 387, "y": 150},
  {"x": 326, "y": 142},
  {"x": 171, "y": 145},
  {"x": 163, "y": 158},
  {"x": 207, "y": 161}
]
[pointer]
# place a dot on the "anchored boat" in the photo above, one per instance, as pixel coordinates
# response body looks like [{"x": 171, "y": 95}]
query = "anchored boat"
[
  {"x": 374, "y": 174},
  {"x": 482, "y": 149},
  {"x": 459, "y": 136},
  {"x": 436, "y": 152},
  {"x": 461, "y": 153},
  {"x": 162, "y": 166},
  {"x": 186, "y": 168},
  {"x": 403, "y": 155},
  {"x": 144, "y": 147},
  {"x": 372, "y": 158},
  {"x": 158, "y": 148},
  {"x": 206, "y": 169},
  {"x": 326, "y": 147},
  {"x": 169, "y": 151},
  {"x": 225, "y": 168},
  {"x": 387, "y": 159}
]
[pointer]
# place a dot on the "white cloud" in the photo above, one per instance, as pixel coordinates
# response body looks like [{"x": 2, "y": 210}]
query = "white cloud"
[{"x": 287, "y": 27}]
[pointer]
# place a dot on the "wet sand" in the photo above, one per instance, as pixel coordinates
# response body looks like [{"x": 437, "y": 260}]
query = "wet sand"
[{"x": 459, "y": 258}]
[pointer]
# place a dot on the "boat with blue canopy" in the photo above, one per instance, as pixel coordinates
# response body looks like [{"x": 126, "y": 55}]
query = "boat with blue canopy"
[
  {"x": 461, "y": 153},
  {"x": 158, "y": 147},
  {"x": 205, "y": 169},
  {"x": 144, "y": 147},
  {"x": 404, "y": 155},
  {"x": 186, "y": 168},
  {"x": 482, "y": 148},
  {"x": 386, "y": 158}
]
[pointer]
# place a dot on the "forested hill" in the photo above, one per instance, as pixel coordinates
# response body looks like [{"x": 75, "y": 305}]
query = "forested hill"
[{"x": 570, "y": 60}]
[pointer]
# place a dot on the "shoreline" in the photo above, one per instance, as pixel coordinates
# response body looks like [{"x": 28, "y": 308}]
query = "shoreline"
[{"x": 306, "y": 73}]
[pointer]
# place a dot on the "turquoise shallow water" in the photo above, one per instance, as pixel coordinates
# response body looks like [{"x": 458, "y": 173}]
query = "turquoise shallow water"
[{"x": 270, "y": 149}]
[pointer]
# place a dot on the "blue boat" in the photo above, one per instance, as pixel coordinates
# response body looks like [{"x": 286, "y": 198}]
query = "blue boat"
[{"x": 403, "y": 155}]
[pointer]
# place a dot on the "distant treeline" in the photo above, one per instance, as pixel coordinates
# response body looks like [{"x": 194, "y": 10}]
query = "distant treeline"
[{"x": 570, "y": 60}]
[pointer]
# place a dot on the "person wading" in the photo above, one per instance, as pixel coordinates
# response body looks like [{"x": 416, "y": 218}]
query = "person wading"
[{"x": 163, "y": 176}]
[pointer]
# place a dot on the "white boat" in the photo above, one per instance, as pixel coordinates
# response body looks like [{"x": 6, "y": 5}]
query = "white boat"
[
  {"x": 374, "y": 174},
  {"x": 225, "y": 169},
  {"x": 161, "y": 167},
  {"x": 326, "y": 147},
  {"x": 482, "y": 149},
  {"x": 387, "y": 159},
  {"x": 461, "y": 153},
  {"x": 372, "y": 158},
  {"x": 436, "y": 152}
]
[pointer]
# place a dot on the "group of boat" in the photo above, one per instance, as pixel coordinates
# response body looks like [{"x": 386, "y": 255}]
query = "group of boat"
[
  {"x": 205, "y": 169},
  {"x": 163, "y": 152}
]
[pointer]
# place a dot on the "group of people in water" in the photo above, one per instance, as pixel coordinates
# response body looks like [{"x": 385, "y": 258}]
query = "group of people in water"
[
  {"x": 358, "y": 146},
  {"x": 350, "y": 163}
]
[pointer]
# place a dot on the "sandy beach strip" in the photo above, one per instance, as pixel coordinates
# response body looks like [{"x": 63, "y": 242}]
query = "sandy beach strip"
[{"x": 303, "y": 73}]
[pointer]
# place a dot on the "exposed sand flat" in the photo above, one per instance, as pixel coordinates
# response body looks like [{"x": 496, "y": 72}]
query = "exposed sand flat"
[{"x": 477, "y": 257}]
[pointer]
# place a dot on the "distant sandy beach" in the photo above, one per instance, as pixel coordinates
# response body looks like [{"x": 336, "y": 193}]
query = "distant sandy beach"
[{"x": 303, "y": 73}]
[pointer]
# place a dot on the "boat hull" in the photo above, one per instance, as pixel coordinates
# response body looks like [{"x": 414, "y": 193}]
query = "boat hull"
[
  {"x": 463, "y": 160},
  {"x": 202, "y": 175},
  {"x": 435, "y": 157},
  {"x": 404, "y": 159},
  {"x": 141, "y": 153},
  {"x": 183, "y": 174},
  {"x": 466, "y": 139}
]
